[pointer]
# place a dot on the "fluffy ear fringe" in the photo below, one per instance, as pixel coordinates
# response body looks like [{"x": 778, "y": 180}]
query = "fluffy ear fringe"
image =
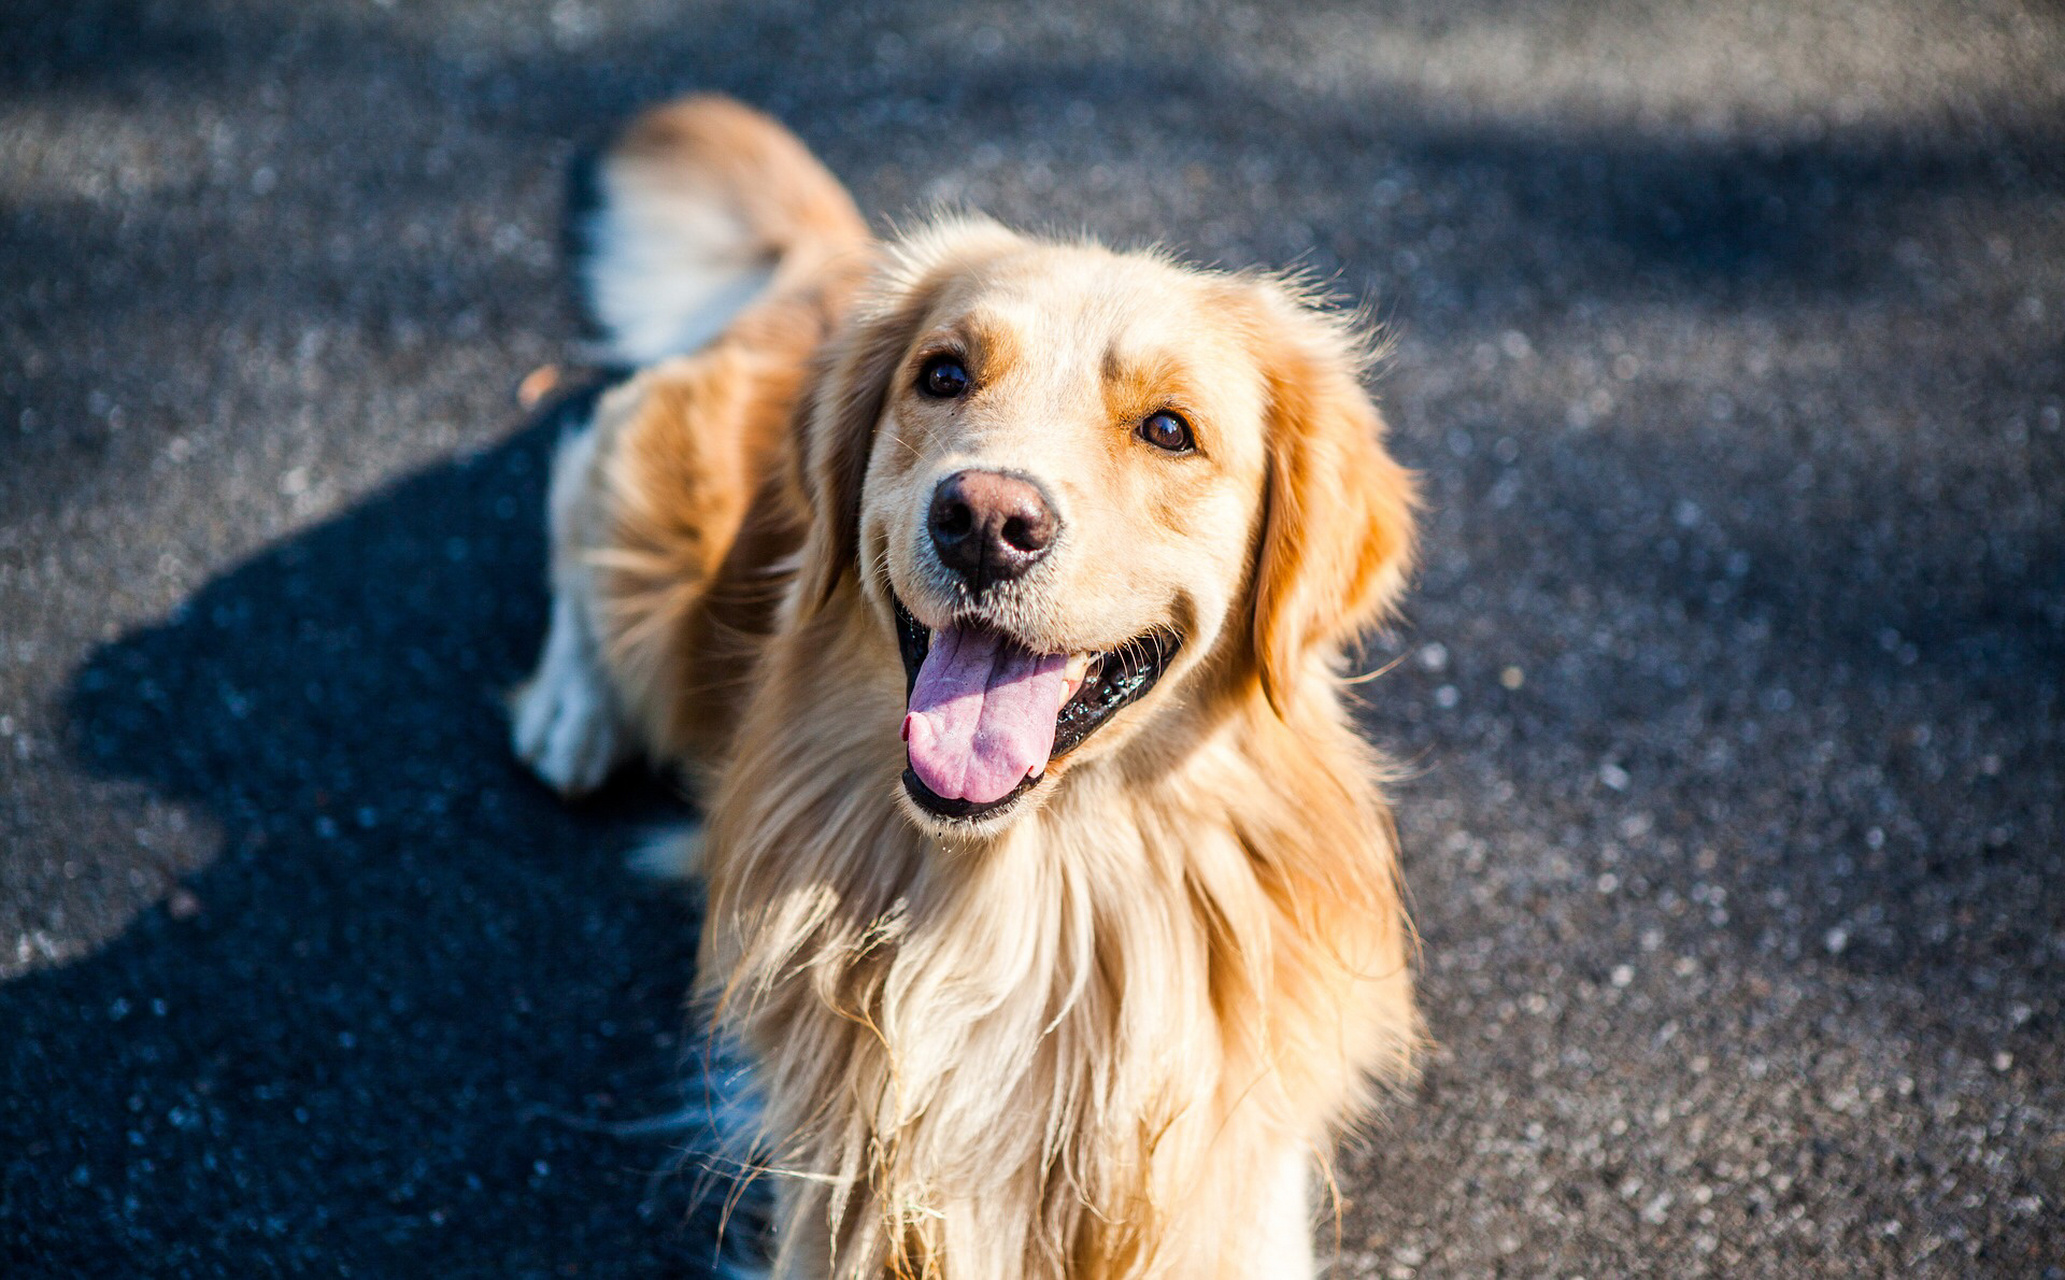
[
  {"x": 1339, "y": 512},
  {"x": 850, "y": 390}
]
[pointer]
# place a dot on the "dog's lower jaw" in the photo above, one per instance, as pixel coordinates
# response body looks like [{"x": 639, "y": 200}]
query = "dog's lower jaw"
[{"x": 966, "y": 815}]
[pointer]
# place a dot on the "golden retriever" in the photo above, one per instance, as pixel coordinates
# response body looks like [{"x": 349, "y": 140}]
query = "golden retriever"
[{"x": 993, "y": 593}]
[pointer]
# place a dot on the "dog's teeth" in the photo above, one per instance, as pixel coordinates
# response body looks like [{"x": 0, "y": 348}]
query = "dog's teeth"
[{"x": 1072, "y": 676}]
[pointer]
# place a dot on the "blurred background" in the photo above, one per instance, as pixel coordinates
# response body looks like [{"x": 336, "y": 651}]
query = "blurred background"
[{"x": 1730, "y": 340}]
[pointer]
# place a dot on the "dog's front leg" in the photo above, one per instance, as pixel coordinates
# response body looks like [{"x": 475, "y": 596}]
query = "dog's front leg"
[{"x": 568, "y": 724}]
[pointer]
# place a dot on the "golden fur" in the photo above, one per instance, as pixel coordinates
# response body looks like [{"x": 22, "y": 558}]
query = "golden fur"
[{"x": 1111, "y": 1032}]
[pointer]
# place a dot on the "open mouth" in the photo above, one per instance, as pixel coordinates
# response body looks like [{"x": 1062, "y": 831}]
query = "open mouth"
[{"x": 986, "y": 714}]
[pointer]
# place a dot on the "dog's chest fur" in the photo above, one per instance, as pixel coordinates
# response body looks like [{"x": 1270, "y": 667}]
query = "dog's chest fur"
[{"x": 1065, "y": 1017}]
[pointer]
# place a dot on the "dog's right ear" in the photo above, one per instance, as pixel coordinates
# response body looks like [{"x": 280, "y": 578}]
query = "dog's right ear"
[{"x": 850, "y": 390}]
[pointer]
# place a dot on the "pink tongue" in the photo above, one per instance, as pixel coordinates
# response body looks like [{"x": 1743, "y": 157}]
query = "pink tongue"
[{"x": 982, "y": 714}]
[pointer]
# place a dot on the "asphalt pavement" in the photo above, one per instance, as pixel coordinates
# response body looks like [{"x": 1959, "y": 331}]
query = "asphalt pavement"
[{"x": 1730, "y": 340}]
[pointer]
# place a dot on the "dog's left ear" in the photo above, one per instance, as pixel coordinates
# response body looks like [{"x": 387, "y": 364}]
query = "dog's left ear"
[
  {"x": 847, "y": 395},
  {"x": 1338, "y": 514}
]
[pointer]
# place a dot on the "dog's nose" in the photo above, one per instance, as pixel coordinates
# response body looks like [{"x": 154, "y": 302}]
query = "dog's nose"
[{"x": 989, "y": 527}]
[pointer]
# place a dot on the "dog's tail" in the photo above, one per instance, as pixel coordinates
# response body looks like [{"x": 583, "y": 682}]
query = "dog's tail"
[{"x": 700, "y": 207}]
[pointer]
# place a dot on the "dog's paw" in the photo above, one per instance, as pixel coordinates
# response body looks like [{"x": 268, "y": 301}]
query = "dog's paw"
[{"x": 565, "y": 722}]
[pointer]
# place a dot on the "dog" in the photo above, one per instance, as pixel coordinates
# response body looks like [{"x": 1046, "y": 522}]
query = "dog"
[{"x": 995, "y": 596}]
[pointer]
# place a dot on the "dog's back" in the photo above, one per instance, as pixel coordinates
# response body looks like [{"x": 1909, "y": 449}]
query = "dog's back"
[{"x": 717, "y": 255}]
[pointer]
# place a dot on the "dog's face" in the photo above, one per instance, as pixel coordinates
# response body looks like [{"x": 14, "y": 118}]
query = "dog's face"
[{"x": 1069, "y": 479}]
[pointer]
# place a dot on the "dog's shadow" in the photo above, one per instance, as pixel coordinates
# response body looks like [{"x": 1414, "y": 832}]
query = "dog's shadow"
[{"x": 356, "y": 1036}]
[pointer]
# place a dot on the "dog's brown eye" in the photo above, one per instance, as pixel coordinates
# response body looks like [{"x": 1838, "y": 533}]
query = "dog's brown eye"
[
  {"x": 943, "y": 378},
  {"x": 1165, "y": 430}
]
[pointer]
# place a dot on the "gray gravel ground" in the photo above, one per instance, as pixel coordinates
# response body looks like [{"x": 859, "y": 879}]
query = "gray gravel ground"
[{"x": 1729, "y": 342}]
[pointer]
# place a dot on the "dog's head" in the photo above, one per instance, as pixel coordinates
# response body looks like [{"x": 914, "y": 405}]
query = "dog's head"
[{"x": 1070, "y": 482}]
